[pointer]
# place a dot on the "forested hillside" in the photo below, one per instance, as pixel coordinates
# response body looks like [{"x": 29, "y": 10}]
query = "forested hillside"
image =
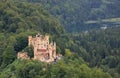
[
  {"x": 74, "y": 13},
  {"x": 71, "y": 67},
  {"x": 17, "y": 21},
  {"x": 89, "y": 54},
  {"x": 100, "y": 48},
  {"x": 17, "y": 17}
]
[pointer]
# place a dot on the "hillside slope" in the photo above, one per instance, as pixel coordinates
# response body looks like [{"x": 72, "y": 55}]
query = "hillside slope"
[
  {"x": 99, "y": 48},
  {"x": 17, "y": 21},
  {"x": 74, "y": 13},
  {"x": 71, "y": 67},
  {"x": 20, "y": 16}
]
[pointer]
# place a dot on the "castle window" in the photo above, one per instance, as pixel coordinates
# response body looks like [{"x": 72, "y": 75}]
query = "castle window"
[{"x": 44, "y": 45}]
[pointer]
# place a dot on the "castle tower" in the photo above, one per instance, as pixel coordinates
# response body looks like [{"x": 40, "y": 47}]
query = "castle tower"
[
  {"x": 47, "y": 39},
  {"x": 54, "y": 49},
  {"x": 43, "y": 49},
  {"x": 35, "y": 51},
  {"x": 29, "y": 40}
]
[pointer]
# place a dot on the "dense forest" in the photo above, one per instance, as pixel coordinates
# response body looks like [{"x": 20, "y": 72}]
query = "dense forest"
[
  {"x": 74, "y": 14},
  {"x": 100, "y": 48},
  {"x": 88, "y": 54}
]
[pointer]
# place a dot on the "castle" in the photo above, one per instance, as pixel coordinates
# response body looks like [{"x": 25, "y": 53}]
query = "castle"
[{"x": 43, "y": 49}]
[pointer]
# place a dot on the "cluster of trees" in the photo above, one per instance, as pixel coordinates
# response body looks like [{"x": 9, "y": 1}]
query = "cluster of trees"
[
  {"x": 17, "y": 21},
  {"x": 74, "y": 13},
  {"x": 18, "y": 17},
  {"x": 99, "y": 48},
  {"x": 71, "y": 67}
]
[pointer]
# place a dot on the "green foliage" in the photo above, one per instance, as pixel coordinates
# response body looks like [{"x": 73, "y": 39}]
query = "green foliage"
[
  {"x": 9, "y": 56},
  {"x": 100, "y": 48},
  {"x": 21, "y": 43},
  {"x": 3, "y": 46},
  {"x": 16, "y": 17},
  {"x": 29, "y": 50},
  {"x": 17, "y": 21},
  {"x": 61, "y": 69},
  {"x": 74, "y": 13}
]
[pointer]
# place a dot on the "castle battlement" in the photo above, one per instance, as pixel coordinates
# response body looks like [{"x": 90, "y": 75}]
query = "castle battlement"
[{"x": 43, "y": 49}]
